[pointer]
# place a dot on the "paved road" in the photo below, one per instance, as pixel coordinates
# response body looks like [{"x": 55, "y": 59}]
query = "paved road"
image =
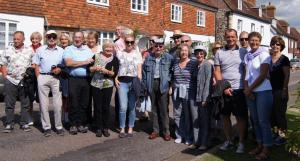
[{"x": 33, "y": 146}]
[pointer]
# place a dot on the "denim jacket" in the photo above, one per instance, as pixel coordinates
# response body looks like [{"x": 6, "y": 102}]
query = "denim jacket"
[{"x": 165, "y": 67}]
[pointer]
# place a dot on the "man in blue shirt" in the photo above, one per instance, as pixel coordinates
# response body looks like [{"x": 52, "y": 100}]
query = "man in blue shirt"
[
  {"x": 78, "y": 58},
  {"x": 46, "y": 60}
]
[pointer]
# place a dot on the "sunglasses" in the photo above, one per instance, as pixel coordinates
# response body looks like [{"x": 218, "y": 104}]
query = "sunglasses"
[
  {"x": 217, "y": 48},
  {"x": 129, "y": 42},
  {"x": 243, "y": 39},
  {"x": 54, "y": 36},
  {"x": 159, "y": 46},
  {"x": 277, "y": 44},
  {"x": 176, "y": 37},
  {"x": 184, "y": 41}
]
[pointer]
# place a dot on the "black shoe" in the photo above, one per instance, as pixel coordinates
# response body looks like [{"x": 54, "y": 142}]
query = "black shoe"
[
  {"x": 122, "y": 135},
  {"x": 25, "y": 128},
  {"x": 106, "y": 133},
  {"x": 73, "y": 130},
  {"x": 60, "y": 132},
  {"x": 99, "y": 133},
  {"x": 8, "y": 128},
  {"x": 82, "y": 129},
  {"x": 47, "y": 133}
]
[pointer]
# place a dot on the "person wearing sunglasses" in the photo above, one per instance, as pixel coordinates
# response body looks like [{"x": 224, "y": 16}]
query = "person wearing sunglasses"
[
  {"x": 130, "y": 68},
  {"x": 244, "y": 40},
  {"x": 46, "y": 57},
  {"x": 157, "y": 77},
  {"x": 279, "y": 77},
  {"x": 177, "y": 41}
]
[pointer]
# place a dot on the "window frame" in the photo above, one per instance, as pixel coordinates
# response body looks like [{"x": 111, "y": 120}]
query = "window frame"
[
  {"x": 180, "y": 14},
  {"x": 252, "y": 27},
  {"x": 199, "y": 19},
  {"x": 101, "y": 37},
  {"x": 7, "y": 32},
  {"x": 240, "y": 24},
  {"x": 240, "y": 4},
  {"x": 140, "y": 11},
  {"x": 98, "y": 3},
  {"x": 262, "y": 30}
]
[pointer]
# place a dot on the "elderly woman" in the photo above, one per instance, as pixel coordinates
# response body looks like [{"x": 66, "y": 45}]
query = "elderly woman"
[
  {"x": 64, "y": 41},
  {"x": 279, "y": 77},
  {"x": 199, "y": 96},
  {"x": 130, "y": 68},
  {"x": 35, "y": 39},
  {"x": 258, "y": 91},
  {"x": 182, "y": 70},
  {"x": 104, "y": 70},
  {"x": 92, "y": 40}
]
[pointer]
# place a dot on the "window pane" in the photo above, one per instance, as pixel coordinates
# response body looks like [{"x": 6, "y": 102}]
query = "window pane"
[
  {"x": 104, "y": 35},
  {"x": 2, "y": 26}
]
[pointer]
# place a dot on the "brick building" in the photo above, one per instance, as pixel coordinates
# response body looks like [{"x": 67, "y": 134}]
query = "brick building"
[{"x": 147, "y": 17}]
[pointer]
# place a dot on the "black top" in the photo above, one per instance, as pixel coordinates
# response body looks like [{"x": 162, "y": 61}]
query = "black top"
[{"x": 276, "y": 72}]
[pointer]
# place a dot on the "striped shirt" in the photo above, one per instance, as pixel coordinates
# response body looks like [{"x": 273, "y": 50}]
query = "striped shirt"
[{"x": 183, "y": 75}]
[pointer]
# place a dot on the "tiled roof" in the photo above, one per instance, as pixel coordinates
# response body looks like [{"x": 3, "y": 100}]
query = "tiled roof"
[{"x": 28, "y": 8}]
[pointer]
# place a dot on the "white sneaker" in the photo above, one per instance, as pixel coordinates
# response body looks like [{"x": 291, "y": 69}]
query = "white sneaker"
[
  {"x": 188, "y": 143},
  {"x": 30, "y": 123},
  {"x": 226, "y": 146},
  {"x": 178, "y": 141},
  {"x": 240, "y": 149}
]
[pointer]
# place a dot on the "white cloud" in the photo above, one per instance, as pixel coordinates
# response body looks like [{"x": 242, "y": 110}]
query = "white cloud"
[{"x": 286, "y": 10}]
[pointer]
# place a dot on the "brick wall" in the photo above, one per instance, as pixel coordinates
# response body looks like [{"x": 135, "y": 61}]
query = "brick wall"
[
  {"x": 78, "y": 14},
  {"x": 29, "y": 8}
]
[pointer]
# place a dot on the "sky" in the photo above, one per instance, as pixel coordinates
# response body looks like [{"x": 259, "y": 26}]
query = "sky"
[{"x": 286, "y": 10}]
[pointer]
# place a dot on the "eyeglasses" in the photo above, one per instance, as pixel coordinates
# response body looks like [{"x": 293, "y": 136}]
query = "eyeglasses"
[
  {"x": 217, "y": 48},
  {"x": 243, "y": 39},
  {"x": 176, "y": 37},
  {"x": 277, "y": 44},
  {"x": 184, "y": 41},
  {"x": 54, "y": 36},
  {"x": 159, "y": 46},
  {"x": 129, "y": 42}
]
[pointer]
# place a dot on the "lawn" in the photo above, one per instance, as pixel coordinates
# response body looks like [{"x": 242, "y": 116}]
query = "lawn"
[{"x": 278, "y": 153}]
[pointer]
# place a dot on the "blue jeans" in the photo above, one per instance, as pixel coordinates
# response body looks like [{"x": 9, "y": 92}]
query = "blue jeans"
[
  {"x": 127, "y": 101},
  {"x": 182, "y": 118},
  {"x": 260, "y": 112}
]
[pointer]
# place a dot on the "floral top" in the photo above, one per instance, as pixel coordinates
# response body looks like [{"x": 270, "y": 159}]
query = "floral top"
[
  {"x": 17, "y": 61},
  {"x": 100, "y": 80},
  {"x": 129, "y": 63}
]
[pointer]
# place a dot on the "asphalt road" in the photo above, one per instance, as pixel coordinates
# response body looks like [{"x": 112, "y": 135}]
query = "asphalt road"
[{"x": 33, "y": 146}]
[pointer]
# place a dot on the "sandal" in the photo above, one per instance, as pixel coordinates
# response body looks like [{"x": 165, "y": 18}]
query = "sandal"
[
  {"x": 255, "y": 151},
  {"x": 262, "y": 156}
]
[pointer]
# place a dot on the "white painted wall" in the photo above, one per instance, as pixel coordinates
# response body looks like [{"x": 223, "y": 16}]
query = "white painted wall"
[
  {"x": 28, "y": 24},
  {"x": 247, "y": 21},
  {"x": 202, "y": 38}
]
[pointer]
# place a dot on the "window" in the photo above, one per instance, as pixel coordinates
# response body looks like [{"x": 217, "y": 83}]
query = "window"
[
  {"x": 99, "y": 2},
  {"x": 7, "y": 30},
  {"x": 139, "y": 6},
  {"x": 262, "y": 30},
  {"x": 105, "y": 36},
  {"x": 240, "y": 26},
  {"x": 176, "y": 13},
  {"x": 240, "y": 4},
  {"x": 201, "y": 18},
  {"x": 252, "y": 27}
]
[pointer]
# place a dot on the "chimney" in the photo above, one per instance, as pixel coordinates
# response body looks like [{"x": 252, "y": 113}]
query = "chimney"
[
  {"x": 270, "y": 10},
  {"x": 252, "y": 2}
]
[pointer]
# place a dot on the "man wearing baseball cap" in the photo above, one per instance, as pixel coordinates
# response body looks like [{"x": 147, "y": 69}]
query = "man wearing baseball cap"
[
  {"x": 157, "y": 77},
  {"x": 47, "y": 59}
]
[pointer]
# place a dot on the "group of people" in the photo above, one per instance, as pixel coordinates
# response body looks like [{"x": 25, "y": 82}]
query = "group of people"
[{"x": 237, "y": 79}]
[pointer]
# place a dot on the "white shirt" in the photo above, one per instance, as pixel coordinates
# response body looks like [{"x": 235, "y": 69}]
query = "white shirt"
[
  {"x": 253, "y": 69},
  {"x": 129, "y": 63}
]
